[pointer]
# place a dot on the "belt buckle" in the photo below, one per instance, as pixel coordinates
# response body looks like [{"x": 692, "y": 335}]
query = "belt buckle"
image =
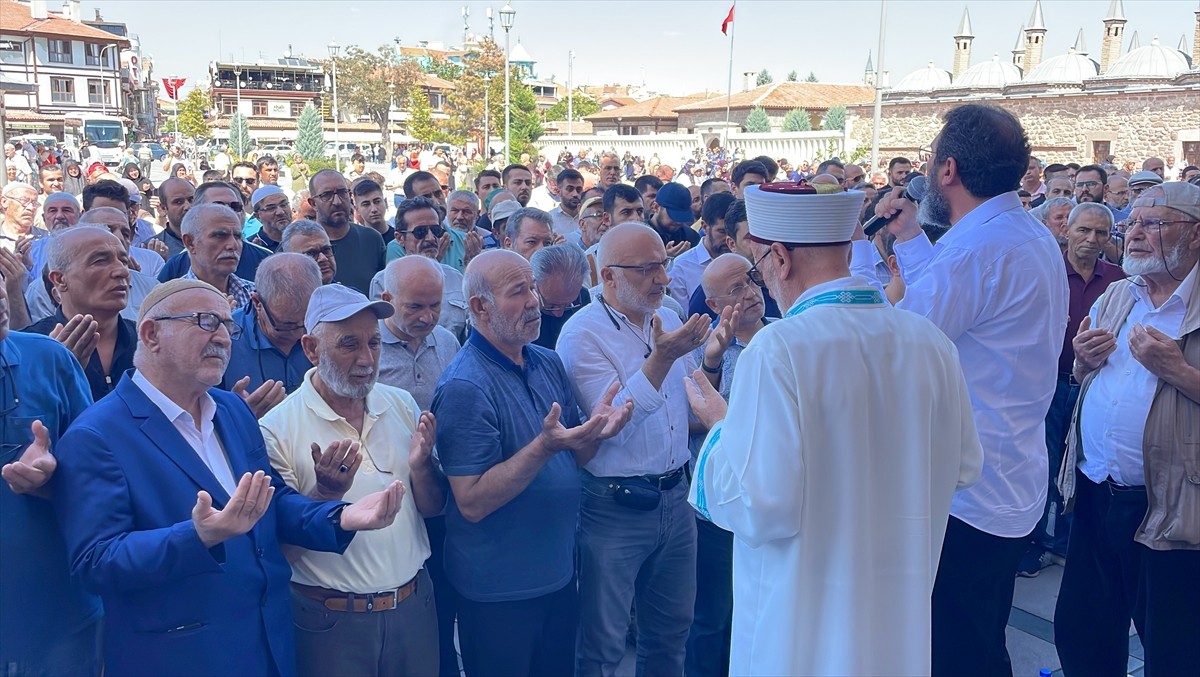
[{"x": 370, "y": 602}]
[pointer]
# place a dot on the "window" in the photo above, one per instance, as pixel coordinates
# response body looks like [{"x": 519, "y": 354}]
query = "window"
[
  {"x": 99, "y": 91},
  {"x": 297, "y": 108},
  {"x": 60, "y": 51},
  {"x": 258, "y": 108},
  {"x": 97, "y": 55},
  {"x": 1100, "y": 151},
  {"x": 228, "y": 106},
  {"x": 62, "y": 90},
  {"x": 11, "y": 46}
]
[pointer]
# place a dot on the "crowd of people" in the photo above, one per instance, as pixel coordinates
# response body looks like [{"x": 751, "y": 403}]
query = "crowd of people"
[{"x": 257, "y": 428}]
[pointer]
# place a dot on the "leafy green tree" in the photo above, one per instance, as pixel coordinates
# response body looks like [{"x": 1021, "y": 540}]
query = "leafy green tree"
[
  {"x": 310, "y": 134},
  {"x": 764, "y": 78},
  {"x": 363, "y": 79},
  {"x": 480, "y": 81},
  {"x": 239, "y": 135},
  {"x": 797, "y": 120},
  {"x": 441, "y": 68},
  {"x": 793, "y": 76},
  {"x": 812, "y": 77},
  {"x": 191, "y": 114},
  {"x": 835, "y": 118},
  {"x": 526, "y": 122},
  {"x": 420, "y": 121},
  {"x": 583, "y": 105},
  {"x": 757, "y": 121}
]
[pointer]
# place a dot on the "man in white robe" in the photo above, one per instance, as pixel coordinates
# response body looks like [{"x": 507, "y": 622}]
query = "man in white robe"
[{"x": 848, "y": 430}]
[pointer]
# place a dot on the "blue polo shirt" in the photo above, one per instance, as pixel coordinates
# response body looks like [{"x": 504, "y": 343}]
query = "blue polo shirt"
[
  {"x": 178, "y": 265},
  {"x": 39, "y": 599},
  {"x": 254, "y": 356},
  {"x": 488, "y": 409}
]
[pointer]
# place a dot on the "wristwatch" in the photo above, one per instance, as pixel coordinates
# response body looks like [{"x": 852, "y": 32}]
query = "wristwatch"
[{"x": 709, "y": 370}]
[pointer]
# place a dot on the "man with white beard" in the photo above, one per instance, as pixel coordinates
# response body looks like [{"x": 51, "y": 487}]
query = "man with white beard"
[{"x": 1130, "y": 469}]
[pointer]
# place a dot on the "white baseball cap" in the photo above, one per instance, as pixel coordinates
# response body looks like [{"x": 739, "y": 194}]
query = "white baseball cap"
[{"x": 335, "y": 302}]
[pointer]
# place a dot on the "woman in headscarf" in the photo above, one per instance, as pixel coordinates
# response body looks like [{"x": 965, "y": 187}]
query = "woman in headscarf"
[
  {"x": 73, "y": 180},
  {"x": 145, "y": 187}
]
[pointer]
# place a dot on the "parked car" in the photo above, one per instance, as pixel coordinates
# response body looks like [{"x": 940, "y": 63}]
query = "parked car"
[
  {"x": 345, "y": 150},
  {"x": 156, "y": 150},
  {"x": 278, "y": 150}
]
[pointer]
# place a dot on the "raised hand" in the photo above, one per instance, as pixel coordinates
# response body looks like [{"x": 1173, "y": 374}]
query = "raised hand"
[
  {"x": 264, "y": 398},
  {"x": 30, "y": 473},
  {"x": 675, "y": 344},
  {"x": 473, "y": 245},
  {"x": 80, "y": 336},
  {"x": 335, "y": 468},
  {"x": 1157, "y": 352},
  {"x": 707, "y": 404},
  {"x": 374, "y": 511},
  {"x": 157, "y": 246},
  {"x": 420, "y": 447},
  {"x": 616, "y": 417},
  {"x": 722, "y": 336},
  {"x": 557, "y": 437},
  {"x": 1092, "y": 346},
  {"x": 678, "y": 248},
  {"x": 443, "y": 246},
  {"x": 248, "y": 504},
  {"x": 904, "y": 226}
]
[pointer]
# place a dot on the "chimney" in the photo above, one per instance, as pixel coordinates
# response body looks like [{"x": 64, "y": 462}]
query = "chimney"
[
  {"x": 962, "y": 45},
  {"x": 38, "y": 10},
  {"x": 1114, "y": 35},
  {"x": 70, "y": 11},
  {"x": 1035, "y": 39},
  {"x": 748, "y": 80}
]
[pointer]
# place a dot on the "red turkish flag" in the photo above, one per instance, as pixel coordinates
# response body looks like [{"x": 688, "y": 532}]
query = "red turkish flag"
[
  {"x": 728, "y": 20},
  {"x": 173, "y": 85}
]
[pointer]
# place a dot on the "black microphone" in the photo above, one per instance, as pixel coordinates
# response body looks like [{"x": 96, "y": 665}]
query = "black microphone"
[{"x": 914, "y": 192}]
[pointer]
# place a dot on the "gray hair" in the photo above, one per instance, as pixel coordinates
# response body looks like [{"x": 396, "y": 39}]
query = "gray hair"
[
  {"x": 561, "y": 259},
  {"x": 92, "y": 216},
  {"x": 58, "y": 255},
  {"x": 475, "y": 284},
  {"x": 513, "y": 226},
  {"x": 287, "y": 277},
  {"x": 604, "y": 253},
  {"x": 300, "y": 227},
  {"x": 1100, "y": 210},
  {"x": 202, "y": 214},
  {"x": 299, "y": 198},
  {"x": 464, "y": 195},
  {"x": 610, "y": 154}
]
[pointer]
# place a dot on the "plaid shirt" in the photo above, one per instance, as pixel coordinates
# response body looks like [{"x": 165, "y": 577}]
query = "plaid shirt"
[{"x": 238, "y": 288}]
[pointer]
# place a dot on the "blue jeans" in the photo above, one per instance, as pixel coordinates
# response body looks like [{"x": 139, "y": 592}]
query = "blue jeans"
[
  {"x": 1058, "y": 423},
  {"x": 708, "y": 641},
  {"x": 626, "y": 553}
]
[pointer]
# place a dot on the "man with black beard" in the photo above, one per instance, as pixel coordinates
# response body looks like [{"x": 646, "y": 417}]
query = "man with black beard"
[
  {"x": 360, "y": 251},
  {"x": 994, "y": 286}
]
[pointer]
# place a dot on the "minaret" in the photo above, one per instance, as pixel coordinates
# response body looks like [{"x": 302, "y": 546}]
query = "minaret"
[
  {"x": 962, "y": 44},
  {"x": 1196, "y": 44},
  {"x": 1114, "y": 35},
  {"x": 1134, "y": 43},
  {"x": 1080, "y": 46},
  {"x": 869, "y": 72},
  {"x": 1035, "y": 39},
  {"x": 1018, "y": 51}
]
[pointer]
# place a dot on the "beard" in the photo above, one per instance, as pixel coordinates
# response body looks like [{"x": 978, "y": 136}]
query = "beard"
[
  {"x": 629, "y": 298},
  {"x": 340, "y": 383},
  {"x": 934, "y": 209},
  {"x": 1171, "y": 260}
]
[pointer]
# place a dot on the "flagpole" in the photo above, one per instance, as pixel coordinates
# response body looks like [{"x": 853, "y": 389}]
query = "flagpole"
[
  {"x": 878, "y": 112},
  {"x": 729, "y": 84},
  {"x": 176, "y": 98}
]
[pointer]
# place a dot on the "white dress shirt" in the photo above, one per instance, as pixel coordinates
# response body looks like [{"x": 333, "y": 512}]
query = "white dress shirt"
[
  {"x": 203, "y": 441},
  {"x": 994, "y": 285},
  {"x": 564, "y": 223},
  {"x": 599, "y": 345},
  {"x": 686, "y": 272},
  {"x": 1113, "y": 416},
  {"x": 150, "y": 262}
]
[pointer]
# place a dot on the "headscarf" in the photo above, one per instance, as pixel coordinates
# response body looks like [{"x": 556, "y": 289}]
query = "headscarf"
[
  {"x": 73, "y": 184},
  {"x": 145, "y": 187}
]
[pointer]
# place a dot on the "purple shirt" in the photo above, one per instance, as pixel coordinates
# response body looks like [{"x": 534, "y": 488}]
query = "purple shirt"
[{"x": 1083, "y": 296}]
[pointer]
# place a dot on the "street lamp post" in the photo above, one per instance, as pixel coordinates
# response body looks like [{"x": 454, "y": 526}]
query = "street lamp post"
[
  {"x": 337, "y": 151},
  {"x": 507, "y": 14},
  {"x": 104, "y": 81},
  {"x": 237, "y": 83},
  {"x": 391, "y": 109},
  {"x": 487, "y": 87},
  {"x": 570, "y": 92}
]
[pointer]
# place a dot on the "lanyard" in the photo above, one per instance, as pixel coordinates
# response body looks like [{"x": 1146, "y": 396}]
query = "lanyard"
[{"x": 845, "y": 297}]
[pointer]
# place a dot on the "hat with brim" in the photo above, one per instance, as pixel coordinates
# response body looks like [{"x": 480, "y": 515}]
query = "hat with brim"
[
  {"x": 1177, "y": 195},
  {"x": 503, "y": 210},
  {"x": 591, "y": 201},
  {"x": 1145, "y": 177},
  {"x": 794, "y": 213},
  {"x": 335, "y": 302}
]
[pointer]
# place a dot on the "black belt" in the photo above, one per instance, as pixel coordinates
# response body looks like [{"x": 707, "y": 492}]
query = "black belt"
[
  {"x": 1120, "y": 489},
  {"x": 667, "y": 480}
]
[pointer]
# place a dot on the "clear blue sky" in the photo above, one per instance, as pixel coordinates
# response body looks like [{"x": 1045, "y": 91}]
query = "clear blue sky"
[{"x": 678, "y": 42}]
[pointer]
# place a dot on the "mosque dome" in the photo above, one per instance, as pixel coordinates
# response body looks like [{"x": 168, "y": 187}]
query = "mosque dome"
[
  {"x": 924, "y": 80},
  {"x": 991, "y": 74},
  {"x": 1069, "y": 68},
  {"x": 1152, "y": 61}
]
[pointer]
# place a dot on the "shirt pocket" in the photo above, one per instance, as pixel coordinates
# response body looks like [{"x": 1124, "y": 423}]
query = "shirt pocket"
[{"x": 18, "y": 435}]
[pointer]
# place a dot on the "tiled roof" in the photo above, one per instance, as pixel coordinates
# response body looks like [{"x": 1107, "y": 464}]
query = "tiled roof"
[
  {"x": 15, "y": 17},
  {"x": 662, "y": 107},
  {"x": 434, "y": 82},
  {"x": 619, "y": 100},
  {"x": 788, "y": 95}
]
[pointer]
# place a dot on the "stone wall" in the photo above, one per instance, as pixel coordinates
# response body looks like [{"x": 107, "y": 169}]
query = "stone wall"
[{"x": 1062, "y": 127}]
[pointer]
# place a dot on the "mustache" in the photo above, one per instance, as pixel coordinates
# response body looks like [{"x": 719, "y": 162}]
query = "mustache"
[{"x": 216, "y": 351}]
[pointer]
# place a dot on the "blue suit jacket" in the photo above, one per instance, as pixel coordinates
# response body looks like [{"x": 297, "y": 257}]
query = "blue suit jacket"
[{"x": 124, "y": 491}]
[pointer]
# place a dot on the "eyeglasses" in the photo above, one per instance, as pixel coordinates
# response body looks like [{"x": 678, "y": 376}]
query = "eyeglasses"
[
  {"x": 1148, "y": 225},
  {"x": 209, "y": 322},
  {"x": 740, "y": 290},
  {"x": 245, "y": 179},
  {"x": 591, "y": 216},
  {"x": 1087, "y": 184},
  {"x": 283, "y": 327},
  {"x": 754, "y": 273},
  {"x": 275, "y": 207},
  {"x": 647, "y": 269},
  {"x": 316, "y": 254},
  {"x": 327, "y": 196},
  {"x": 421, "y": 231},
  {"x": 234, "y": 205},
  {"x": 25, "y": 202}
]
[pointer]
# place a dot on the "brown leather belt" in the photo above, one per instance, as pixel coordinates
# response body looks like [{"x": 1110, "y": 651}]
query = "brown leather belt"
[{"x": 373, "y": 602}]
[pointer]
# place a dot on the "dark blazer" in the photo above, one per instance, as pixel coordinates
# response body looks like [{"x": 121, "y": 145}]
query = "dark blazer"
[{"x": 124, "y": 491}]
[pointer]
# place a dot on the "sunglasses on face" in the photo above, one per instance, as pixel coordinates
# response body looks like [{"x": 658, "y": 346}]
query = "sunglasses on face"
[{"x": 421, "y": 231}]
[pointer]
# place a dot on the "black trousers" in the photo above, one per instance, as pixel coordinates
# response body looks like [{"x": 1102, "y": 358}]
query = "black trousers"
[
  {"x": 528, "y": 637},
  {"x": 447, "y": 597},
  {"x": 972, "y": 598},
  {"x": 709, "y": 638},
  {"x": 1110, "y": 579}
]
